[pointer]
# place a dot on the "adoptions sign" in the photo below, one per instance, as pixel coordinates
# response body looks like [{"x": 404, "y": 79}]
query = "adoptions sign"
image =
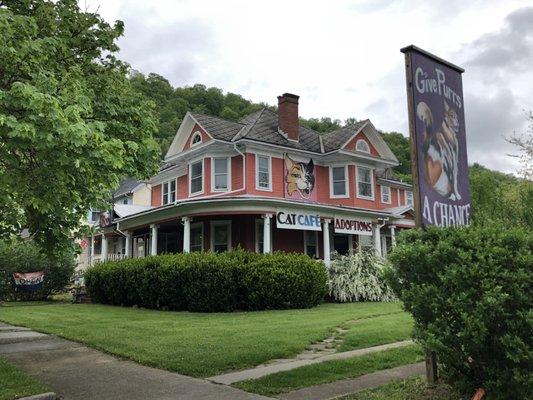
[
  {"x": 28, "y": 281},
  {"x": 354, "y": 226},
  {"x": 438, "y": 139},
  {"x": 291, "y": 219}
]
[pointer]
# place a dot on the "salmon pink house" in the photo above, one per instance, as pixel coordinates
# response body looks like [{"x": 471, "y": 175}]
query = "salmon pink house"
[{"x": 266, "y": 183}]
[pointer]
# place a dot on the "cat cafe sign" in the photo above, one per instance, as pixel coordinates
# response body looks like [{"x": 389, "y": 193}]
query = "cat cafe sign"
[{"x": 438, "y": 139}]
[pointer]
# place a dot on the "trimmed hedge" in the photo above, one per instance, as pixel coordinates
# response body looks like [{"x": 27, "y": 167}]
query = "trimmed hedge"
[
  {"x": 470, "y": 293},
  {"x": 208, "y": 282}
]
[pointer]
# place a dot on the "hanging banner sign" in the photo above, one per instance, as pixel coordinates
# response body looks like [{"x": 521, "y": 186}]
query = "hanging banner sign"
[
  {"x": 28, "y": 281},
  {"x": 291, "y": 219},
  {"x": 354, "y": 226},
  {"x": 438, "y": 139}
]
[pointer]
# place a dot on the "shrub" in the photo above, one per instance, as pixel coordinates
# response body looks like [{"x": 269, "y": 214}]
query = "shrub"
[
  {"x": 359, "y": 277},
  {"x": 469, "y": 291},
  {"x": 237, "y": 280},
  {"x": 20, "y": 256}
]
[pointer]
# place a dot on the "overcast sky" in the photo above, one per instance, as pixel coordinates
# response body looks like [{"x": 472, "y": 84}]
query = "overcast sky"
[{"x": 342, "y": 57}]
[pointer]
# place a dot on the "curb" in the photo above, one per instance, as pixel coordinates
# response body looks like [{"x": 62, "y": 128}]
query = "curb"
[{"x": 42, "y": 396}]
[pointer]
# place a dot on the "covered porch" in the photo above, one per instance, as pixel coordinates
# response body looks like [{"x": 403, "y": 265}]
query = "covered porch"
[{"x": 260, "y": 226}]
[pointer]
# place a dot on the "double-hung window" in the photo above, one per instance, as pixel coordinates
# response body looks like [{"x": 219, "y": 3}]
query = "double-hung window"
[
  {"x": 197, "y": 236},
  {"x": 220, "y": 236},
  {"x": 385, "y": 194},
  {"x": 365, "y": 186},
  {"x": 196, "y": 180},
  {"x": 408, "y": 197},
  {"x": 311, "y": 243},
  {"x": 169, "y": 192},
  {"x": 221, "y": 174},
  {"x": 263, "y": 175},
  {"x": 339, "y": 181}
]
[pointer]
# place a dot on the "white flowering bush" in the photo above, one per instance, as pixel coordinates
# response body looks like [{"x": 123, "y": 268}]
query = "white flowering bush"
[{"x": 359, "y": 277}]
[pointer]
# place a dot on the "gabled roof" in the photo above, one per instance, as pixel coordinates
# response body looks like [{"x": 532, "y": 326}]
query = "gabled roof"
[
  {"x": 262, "y": 126},
  {"x": 336, "y": 139},
  {"x": 217, "y": 127},
  {"x": 127, "y": 186}
]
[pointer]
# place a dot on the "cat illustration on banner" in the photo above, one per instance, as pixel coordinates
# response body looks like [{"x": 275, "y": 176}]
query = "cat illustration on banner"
[
  {"x": 441, "y": 150},
  {"x": 299, "y": 177}
]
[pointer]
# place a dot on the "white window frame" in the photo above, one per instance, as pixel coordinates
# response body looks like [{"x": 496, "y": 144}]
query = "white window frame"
[
  {"x": 195, "y": 135},
  {"x": 212, "y": 238},
  {"x": 382, "y": 193},
  {"x": 306, "y": 236},
  {"x": 332, "y": 194},
  {"x": 360, "y": 196},
  {"x": 167, "y": 183},
  {"x": 406, "y": 197},
  {"x": 259, "y": 223},
  {"x": 191, "y": 193},
  {"x": 367, "y": 146},
  {"x": 228, "y": 174},
  {"x": 257, "y": 187},
  {"x": 201, "y": 226}
]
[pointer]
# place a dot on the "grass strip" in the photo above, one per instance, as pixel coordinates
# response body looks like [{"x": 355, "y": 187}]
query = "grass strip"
[
  {"x": 331, "y": 371},
  {"x": 14, "y": 383},
  {"x": 406, "y": 389},
  {"x": 196, "y": 344}
]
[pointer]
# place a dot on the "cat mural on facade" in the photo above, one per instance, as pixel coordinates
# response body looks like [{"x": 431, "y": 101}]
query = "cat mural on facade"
[
  {"x": 299, "y": 178},
  {"x": 441, "y": 150}
]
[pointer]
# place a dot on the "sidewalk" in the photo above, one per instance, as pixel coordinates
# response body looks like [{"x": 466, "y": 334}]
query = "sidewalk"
[{"x": 77, "y": 372}]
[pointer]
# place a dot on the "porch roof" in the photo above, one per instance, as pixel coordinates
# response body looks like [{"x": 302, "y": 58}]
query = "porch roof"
[{"x": 241, "y": 205}]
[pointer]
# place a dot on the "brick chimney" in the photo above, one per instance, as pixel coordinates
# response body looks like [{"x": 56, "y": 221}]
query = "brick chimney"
[{"x": 288, "y": 115}]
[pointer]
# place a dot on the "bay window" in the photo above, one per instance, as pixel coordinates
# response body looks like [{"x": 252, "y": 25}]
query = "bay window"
[
  {"x": 408, "y": 198},
  {"x": 196, "y": 177},
  {"x": 169, "y": 192},
  {"x": 221, "y": 174},
  {"x": 263, "y": 174},
  {"x": 365, "y": 185},
  {"x": 385, "y": 194},
  {"x": 339, "y": 181}
]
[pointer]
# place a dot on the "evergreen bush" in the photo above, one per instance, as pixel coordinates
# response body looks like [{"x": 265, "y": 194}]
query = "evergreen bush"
[
  {"x": 210, "y": 282},
  {"x": 470, "y": 293}
]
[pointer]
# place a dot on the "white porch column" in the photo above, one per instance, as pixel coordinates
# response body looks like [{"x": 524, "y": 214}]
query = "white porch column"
[
  {"x": 127, "y": 253},
  {"x": 91, "y": 255},
  {"x": 186, "y": 234},
  {"x": 267, "y": 245},
  {"x": 377, "y": 238},
  {"x": 325, "y": 237},
  {"x": 393, "y": 235},
  {"x": 153, "y": 236},
  {"x": 104, "y": 247}
]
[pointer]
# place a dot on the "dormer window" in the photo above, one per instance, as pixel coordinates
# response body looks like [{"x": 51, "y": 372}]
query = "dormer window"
[
  {"x": 362, "y": 145},
  {"x": 196, "y": 139}
]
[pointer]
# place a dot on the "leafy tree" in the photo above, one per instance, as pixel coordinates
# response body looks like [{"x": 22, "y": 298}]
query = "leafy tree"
[
  {"x": 71, "y": 123},
  {"x": 524, "y": 143},
  {"x": 399, "y": 145},
  {"x": 322, "y": 125}
]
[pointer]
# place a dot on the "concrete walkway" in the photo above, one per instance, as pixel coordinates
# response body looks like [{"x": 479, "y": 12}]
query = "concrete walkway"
[
  {"x": 77, "y": 372},
  {"x": 349, "y": 386},
  {"x": 263, "y": 370}
]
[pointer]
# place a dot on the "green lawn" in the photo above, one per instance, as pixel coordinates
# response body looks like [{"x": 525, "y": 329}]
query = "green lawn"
[
  {"x": 378, "y": 330},
  {"x": 193, "y": 343},
  {"x": 330, "y": 371},
  {"x": 15, "y": 384},
  {"x": 406, "y": 389}
]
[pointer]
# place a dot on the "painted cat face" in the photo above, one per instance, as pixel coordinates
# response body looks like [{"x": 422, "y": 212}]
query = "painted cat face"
[
  {"x": 451, "y": 117},
  {"x": 300, "y": 177}
]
